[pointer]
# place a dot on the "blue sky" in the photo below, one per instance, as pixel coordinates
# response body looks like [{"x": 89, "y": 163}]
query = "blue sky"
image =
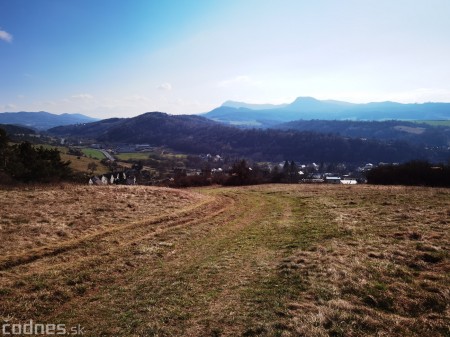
[{"x": 108, "y": 58}]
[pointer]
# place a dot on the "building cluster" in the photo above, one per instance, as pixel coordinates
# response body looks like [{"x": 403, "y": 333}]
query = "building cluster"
[
  {"x": 120, "y": 178},
  {"x": 214, "y": 165}
]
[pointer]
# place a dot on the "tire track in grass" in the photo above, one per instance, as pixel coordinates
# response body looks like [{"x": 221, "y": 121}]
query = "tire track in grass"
[
  {"x": 193, "y": 293},
  {"x": 215, "y": 272},
  {"x": 154, "y": 225},
  {"x": 165, "y": 279}
]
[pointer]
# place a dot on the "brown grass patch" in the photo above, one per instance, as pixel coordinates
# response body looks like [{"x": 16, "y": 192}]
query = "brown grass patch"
[{"x": 36, "y": 217}]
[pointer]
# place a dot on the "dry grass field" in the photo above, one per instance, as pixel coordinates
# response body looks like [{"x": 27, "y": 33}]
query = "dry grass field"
[
  {"x": 270, "y": 260},
  {"x": 80, "y": 164}
]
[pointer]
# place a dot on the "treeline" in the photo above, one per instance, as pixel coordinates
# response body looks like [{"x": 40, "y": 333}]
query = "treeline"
[
  {"x": 415, "y": 133},
  {"x": 241, "y": 174},
  {"x": 25, "y": 163},
  {"x": 415, "y": 173}
]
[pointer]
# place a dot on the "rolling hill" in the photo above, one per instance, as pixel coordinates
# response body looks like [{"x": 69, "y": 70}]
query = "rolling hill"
[
  {"x": 306, "y": 108},
  {"x": 14, "y": 129},
  {"x": 196, "y": 135},
  {"x": 42, "y": 120}
]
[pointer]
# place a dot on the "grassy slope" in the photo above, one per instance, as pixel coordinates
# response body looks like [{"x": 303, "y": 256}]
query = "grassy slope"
[
  {"x": 265, "y": 260},
  {"x": 80, "y": 164}
]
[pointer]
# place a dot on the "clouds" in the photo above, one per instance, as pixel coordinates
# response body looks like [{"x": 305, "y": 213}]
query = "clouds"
[
  {"x": 83, "y": 96},
  {"x": 5, "y": 36},
  {"x": 10, "y": 107},
  {"x": 165, "y": 86},
  {"x": 238, "y": 80}
]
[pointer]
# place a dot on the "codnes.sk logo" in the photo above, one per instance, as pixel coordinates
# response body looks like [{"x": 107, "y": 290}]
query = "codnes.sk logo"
[{"x": 32, "y": 328}]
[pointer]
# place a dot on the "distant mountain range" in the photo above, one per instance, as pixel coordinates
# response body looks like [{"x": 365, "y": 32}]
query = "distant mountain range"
[
  {"x": 307, "y": 108},
  {"x": 43, "y": 120},
  {"x": 233, "y": 104},
  {"x": 193, "y": 134}
]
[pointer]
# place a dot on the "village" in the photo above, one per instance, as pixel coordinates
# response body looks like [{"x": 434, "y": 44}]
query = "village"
[{"x": 142, "y": 164}]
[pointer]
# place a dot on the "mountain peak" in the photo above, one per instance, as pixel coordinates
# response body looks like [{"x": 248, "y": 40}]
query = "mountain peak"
[{"x": 305, "y": 99}]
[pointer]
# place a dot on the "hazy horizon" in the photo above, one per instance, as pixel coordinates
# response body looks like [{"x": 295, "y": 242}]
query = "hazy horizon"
[
  {"x": 120, "y": 59},
  {"x": 219, "y": 105}
]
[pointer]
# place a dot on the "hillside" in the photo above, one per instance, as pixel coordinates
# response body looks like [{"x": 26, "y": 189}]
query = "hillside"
[
  {"x": 196, "y": 135},
  {"x": 306, "y": 108},
  {"x": 411, "y": 132},
  {"x": 271, "y": 260},
  {"x": 87, "y": 130},
  {"x": 14, "y": 129},
  {"x": 42, "y": 120}
]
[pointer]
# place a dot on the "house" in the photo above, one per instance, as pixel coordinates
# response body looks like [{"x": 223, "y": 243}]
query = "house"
[
  {"x": 95, "y": 181},
  {"x": 313, "y": 166},
  {"x": 333, "y": 180},
  {"x": 124, "y": 148},
  {"x": 315, "y": 178},
  {"x": 143, "y": 147},
  {"x": 311, "y": 181},
  {"x": 349, "y": 181}
]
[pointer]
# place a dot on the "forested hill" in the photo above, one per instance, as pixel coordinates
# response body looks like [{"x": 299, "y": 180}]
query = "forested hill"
[
  {"x": 14, "y": 129},
  {"x": 416, "y": 133},
  {"x": 195, "y": 134}
]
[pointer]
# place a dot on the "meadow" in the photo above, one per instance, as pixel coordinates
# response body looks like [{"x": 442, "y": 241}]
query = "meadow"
[
  {"x": 93, "y": 153},
  {"x": 149, "y": 155},
  {"x": 133, "y": 155},
  {"x": 268, "y": 260},
  {"x": 80, "y": 164}
]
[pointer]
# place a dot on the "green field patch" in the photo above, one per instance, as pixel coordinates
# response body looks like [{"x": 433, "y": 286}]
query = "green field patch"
[
  {"x": 149, "y": 155},
  {"x": 133, "y": 155},
  {"x": 93, "y": 153}
]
